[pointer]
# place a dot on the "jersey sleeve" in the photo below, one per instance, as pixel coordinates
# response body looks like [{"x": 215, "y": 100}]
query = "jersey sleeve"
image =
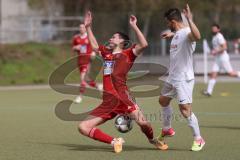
[
  {"x": 221, "y": 39},
  {"x": 189, "y": 42},
  {"x": 74, "y": 41},
  {"x": 188, "y": 30},
  {"x": 131, "y": 54},
  {"x": 102, "y": 50}
]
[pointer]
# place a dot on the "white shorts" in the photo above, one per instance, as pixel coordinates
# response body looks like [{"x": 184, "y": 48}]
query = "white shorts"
[
  {"x": 222, "y": 62},
  {"x": 182, "y": 90}
]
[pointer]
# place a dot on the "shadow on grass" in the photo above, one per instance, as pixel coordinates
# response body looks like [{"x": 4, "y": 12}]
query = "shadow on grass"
[
  {"x": 221, "y": 127},
  {"x": 107, "y": 148},
  {"x": 80, "y": 147},
  {"x": 126, "y": 148}
]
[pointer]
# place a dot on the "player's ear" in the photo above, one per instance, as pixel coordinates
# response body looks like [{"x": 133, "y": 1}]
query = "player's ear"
[
  {"x": 122, "y": 44},
  {"x": 173, "y": 22}
]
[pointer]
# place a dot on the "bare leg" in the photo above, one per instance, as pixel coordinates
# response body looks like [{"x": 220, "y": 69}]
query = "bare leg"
[
  {"x": 87, "y": 128},
  {"x": 145, "y": 126},
  {"x": 234, "y": 74}
]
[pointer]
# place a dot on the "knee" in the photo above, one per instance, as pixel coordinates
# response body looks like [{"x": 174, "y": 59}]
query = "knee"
[
  {"x": 142, "y": 122},
  {"x": 232, "y": 74},
  {"x": 83, "y": 128},
  {"x": 163, "y": 102},
  {"x": 213, "y": 75},
  {"x": 186, "y": 112}
]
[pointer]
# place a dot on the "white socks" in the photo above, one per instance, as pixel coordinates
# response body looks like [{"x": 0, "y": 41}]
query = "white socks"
[
  {"x": 211, "y": 85},
  {"x": 166, "y": 117},
  {"x": 193, "y": 124}
]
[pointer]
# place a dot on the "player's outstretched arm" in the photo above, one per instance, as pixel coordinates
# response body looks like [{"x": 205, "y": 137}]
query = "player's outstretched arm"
[
  {"x": 167, "y": 35},
  {"x": 142, "y": 42},
  {"x": 220, "y": 49},
  {"x": 195, "y": 34},
  {"x": 91, "y": 37}
]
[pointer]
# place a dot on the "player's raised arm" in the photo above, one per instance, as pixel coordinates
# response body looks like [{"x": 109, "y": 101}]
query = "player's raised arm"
[
  {"x": 195, "y": 34},
  {"x": 167, "y": 35},
  {"x": 91, "y": 37},
  {"x": 142, "y": 42}
]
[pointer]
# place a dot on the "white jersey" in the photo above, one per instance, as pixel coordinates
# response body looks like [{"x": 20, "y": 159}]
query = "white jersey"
[
  {"x": 181, "y": 56},
  {"x": 222, "y": 60},
  {"x": 217, "y": 41}
]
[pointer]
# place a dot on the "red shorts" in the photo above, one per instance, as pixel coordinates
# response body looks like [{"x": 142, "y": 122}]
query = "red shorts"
[
  {"x": 83, "y": 67},
  {"x": 111, "y": 107},
  {"x": 83, "y": 63}
]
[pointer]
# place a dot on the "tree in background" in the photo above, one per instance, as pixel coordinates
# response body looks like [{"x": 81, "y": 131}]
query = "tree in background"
[{"x": 113, "y": 14}]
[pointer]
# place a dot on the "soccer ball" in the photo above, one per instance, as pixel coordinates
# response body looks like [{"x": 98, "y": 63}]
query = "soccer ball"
[{"x": 123, "y": 123}]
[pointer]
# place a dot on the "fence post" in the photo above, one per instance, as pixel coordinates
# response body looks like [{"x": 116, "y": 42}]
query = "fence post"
[
  {"x": 163, "y": 47},
  {"x": 31, "y": 29},
  {"x": 206, "y": 50}
]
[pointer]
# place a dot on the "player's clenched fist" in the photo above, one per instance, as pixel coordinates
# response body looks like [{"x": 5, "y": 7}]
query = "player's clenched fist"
[
  {"x": 88, "y": 19},
  {"x": 187, "y": 12},
  {"x": 133, "y": 20}
]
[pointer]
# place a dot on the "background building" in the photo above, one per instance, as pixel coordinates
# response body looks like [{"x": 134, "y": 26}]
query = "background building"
[{"x": 19, "y": 22}]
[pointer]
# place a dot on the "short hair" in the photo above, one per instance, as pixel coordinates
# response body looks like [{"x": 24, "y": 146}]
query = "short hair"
[
  {"x": 216, "y": 25},
  {"x": 81, "y": 23},
  {"x": 173, "y": 14},
  {"x": 124, "y": 36},
  {"x": 126, "y": 39}
]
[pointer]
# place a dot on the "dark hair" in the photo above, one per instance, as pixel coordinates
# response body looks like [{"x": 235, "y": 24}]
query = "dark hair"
[
  {"x": 173, "y": 14},
  {"x": 126, "y": 39},
  {"x": 81, "y": 22},
  {"x": 216, "y": 25},
  {"x": 124, "y": 36}
]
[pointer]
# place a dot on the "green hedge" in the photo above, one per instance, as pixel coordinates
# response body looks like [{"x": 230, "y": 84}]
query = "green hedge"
[{"x": 32, "y": 63}]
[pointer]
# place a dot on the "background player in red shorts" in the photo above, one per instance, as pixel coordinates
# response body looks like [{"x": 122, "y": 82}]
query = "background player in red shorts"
[
  {"x": 118, "y": 59},
  {"x": 82, "y": 47}
]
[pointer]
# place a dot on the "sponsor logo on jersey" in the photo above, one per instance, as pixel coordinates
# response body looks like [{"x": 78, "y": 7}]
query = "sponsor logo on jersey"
[{"x": 108, "y": 67}]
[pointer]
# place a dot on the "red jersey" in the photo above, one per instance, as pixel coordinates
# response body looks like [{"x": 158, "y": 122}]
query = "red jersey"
[
  {"x": 116, "y": 67},
  {"x": 85, "y": 48},
  {"x": 116, "y": 97}
]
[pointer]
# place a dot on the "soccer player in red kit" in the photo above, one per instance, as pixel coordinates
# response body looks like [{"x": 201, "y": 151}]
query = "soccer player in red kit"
[
  {"x": 118, "y": 59},
  {"x": 82, "y": 47}
]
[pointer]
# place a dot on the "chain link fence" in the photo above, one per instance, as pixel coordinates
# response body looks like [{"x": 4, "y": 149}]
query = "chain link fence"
[{"x": 62, "y": 29}]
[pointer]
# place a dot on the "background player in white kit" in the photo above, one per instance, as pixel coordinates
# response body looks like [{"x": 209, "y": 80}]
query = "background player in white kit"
[
  {"x": 180, "y": 81},
  {"x": 222, "y": 60}
]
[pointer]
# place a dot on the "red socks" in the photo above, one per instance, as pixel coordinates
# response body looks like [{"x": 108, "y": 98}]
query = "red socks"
[
  {"x": 147, "y": 130},
  {"x": 83, "y": 87},
  {"x": 84, "y": 84},
  {"x": 97, "y": 134},
  {"x": 92, "y": 84}
]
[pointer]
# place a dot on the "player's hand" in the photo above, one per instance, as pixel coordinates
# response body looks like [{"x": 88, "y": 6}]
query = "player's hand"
[
  {"x": 133, "y": 20},
  {"x": 187, "y": 12},
  {"x": 167, "y": 35},
  {"x": 88, "y": 19},
  {"x": 93, "y": 55},
  {"x": 213, "y": 52},
  {"x": 77, "y": 48}
]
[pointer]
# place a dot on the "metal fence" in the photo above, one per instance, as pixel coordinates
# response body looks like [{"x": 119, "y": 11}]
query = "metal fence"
[
  {"x": 38, "y": 29},
  {"x": 61, "y": 30}
]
